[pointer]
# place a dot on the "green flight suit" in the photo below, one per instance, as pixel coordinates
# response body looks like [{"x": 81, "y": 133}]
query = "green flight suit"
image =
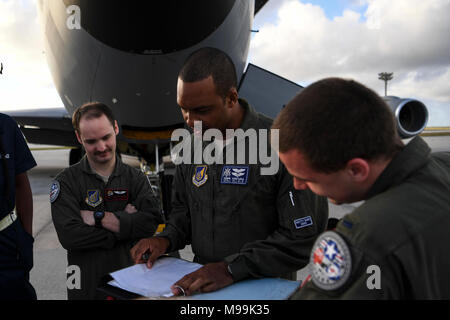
[
  {"x": 97, "y": 251},
  {"x": 397, "y": 241},
  {"x": 259, "y": 224}
]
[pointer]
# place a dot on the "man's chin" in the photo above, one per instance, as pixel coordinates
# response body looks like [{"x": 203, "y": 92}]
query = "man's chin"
[{"x": 335, "y": 202}]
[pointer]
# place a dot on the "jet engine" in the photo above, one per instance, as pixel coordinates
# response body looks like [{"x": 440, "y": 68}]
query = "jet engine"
[{"x": 411, "y": 115}]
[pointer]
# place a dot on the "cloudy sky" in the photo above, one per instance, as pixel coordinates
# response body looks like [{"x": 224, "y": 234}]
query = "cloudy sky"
[
  {"x": 307, "y": 40},
  {"x": 302, "y": 40}
]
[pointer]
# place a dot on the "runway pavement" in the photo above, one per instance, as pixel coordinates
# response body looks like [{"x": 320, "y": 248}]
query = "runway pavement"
[{"x": 49, "y": 273}]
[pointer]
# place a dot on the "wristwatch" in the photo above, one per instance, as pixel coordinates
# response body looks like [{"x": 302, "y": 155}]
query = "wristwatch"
[{"x": 98, "y": 216}]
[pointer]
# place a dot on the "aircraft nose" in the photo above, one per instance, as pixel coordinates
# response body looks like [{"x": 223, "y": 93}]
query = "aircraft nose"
[{"x": 153, "y": 27}]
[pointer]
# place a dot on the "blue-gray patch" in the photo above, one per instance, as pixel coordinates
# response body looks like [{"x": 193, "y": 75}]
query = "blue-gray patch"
[
  {"x": 234, "y": 175},
  {"x": 303, "y": 222},
  {"x": 54, "y": 191}
]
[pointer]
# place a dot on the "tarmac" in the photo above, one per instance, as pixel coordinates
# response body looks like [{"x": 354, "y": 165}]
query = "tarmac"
[{"x": 48, "y": 275}]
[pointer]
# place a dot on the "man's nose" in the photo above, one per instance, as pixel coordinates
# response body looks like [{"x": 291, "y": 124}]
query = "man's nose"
[
  {"x": 101, "y": 146},
  {"x": 300, "y": 185},
  {"x": 189, "y": 119}
]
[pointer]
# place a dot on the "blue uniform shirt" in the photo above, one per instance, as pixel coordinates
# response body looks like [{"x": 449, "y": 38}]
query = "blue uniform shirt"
[{"x": 18, "y": 160}]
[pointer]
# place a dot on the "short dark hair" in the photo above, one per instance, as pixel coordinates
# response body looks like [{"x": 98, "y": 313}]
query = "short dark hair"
[
  {"x": 91, "y": 110},
  {"x": 213, "y": 62},
  {"x": 333, "y": 121}
]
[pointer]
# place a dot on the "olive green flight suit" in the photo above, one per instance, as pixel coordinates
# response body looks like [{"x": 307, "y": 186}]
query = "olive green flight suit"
[
  {"x": 398, "y": 239},
  {"x": 260, "y": 224},
  {"x": 97, "y": 251}
]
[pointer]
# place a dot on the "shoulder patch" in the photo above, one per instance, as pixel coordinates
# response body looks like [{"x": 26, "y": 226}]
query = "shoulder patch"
[
  {"x": 54, "y": 191},
  {"x": 330, "y": 261}
]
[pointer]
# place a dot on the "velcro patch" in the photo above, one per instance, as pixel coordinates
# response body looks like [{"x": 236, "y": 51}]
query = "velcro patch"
[
  {"x": 303, "y": 222},
  {"x": 235, "y": 175},
  {"x": 116, "y": 195},
  {"x": 330, "y": 261},
  {"x": 54, "y": 191},
  {"x": 200, "y": 177},
  {"x": 93, "y": 198}
]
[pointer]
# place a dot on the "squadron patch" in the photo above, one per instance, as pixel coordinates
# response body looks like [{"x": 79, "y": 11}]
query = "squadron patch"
[
  {"x": 93, "y": 198},
  {"x": 234, "y": 175},
  {"x": 330, "y": 262},
  {"x": 200, "y": 177},
  {"x": 54, "y": 191}
]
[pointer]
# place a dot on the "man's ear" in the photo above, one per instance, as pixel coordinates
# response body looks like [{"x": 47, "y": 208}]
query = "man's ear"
[
  {"x": 78, "y": 137},
  {"x": 233, "y": 96},
  {"x": 116, "y": 127},
  {"x": 358, "y": 169}
]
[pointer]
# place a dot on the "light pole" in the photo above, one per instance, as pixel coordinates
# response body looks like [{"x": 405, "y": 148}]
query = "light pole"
[{"x": 385, "y": 76}]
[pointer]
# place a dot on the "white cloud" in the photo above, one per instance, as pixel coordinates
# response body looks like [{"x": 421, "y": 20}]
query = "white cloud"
[
  {"x": 407, "y": 37},
  {"x": 25, "y": 73}
]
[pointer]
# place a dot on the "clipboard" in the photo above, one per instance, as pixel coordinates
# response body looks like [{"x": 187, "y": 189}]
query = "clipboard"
[
  {"x": 284, "y": 287},
  {"x": 114, "y": 293}
]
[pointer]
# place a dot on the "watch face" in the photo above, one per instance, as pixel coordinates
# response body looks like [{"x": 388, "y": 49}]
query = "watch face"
[{"x": 99, "y": 214}]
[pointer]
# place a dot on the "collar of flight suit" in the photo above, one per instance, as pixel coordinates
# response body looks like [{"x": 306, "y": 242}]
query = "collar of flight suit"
[
  {"x": 414, "y": 156},
  {"x": 85, "y": 167},
  {"x": 250, "y": 116}
]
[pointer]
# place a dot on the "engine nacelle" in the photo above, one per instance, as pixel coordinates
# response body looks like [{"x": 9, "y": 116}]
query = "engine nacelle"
[{"x": 411, "y": 115}]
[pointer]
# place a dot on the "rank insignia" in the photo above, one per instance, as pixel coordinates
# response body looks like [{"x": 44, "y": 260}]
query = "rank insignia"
[
  {"x": 330, "y": 261},
  {"x": 93, "y": 198},
  {"x": 200, "y": 177}
]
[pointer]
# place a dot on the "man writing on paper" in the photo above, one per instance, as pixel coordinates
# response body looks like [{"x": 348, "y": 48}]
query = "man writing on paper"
[
  {"x": 238, "y": 229},
  {"x": 399, "y": 234}
]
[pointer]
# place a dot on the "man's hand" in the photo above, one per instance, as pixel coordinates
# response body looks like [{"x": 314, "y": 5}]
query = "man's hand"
[
  {"x": 88, "y": 217},
  {"x": 157, "y": 246},
  {"x": 210, "y": 277},
  {"x": 130, "y": 209}
]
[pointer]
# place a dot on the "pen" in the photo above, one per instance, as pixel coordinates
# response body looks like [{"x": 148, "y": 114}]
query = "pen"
[{"x": 292, "y": 198}]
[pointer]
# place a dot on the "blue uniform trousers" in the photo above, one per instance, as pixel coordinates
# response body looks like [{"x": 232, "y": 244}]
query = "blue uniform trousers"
[{"x": 16, "y": 261}]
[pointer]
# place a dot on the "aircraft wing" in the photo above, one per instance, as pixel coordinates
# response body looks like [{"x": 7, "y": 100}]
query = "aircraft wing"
[
  {"x": 266, "y": 91},
  {"x": 52, "y": 126},
  {"x": 259, "y": 4}
]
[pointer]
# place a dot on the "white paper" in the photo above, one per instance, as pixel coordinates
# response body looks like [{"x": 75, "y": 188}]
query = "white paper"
[{"x": 154, "y": 282}]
